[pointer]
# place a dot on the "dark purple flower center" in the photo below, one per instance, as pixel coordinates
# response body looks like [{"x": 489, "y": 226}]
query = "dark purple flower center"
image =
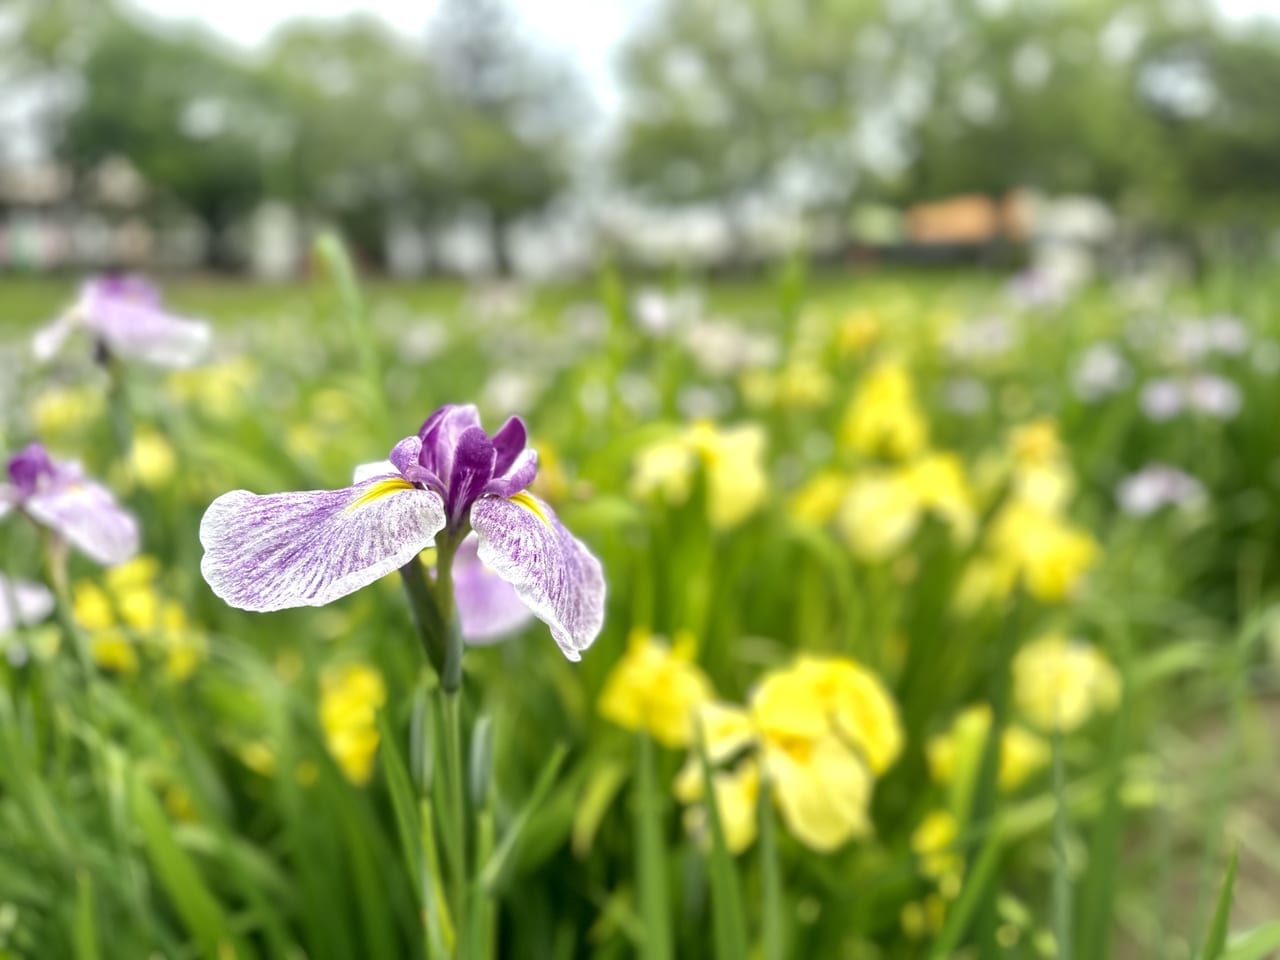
[
  {"x": 27, "y": 467},
  {"x": 462, "y": 462}
]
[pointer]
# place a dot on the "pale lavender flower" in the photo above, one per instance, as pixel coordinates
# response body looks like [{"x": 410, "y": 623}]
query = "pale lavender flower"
[
  {"x": 1156, "y": 486},
  {"x": 57, "y": 495},
  {"x": 488, "y": 606},
  {"x": 1102, "y": 371},
  {"x": 1162, "y": 399},
  {"x": 22, "y": 603},
  {"x": 1214, "y": 396},
  {"x": 313, "y": 547},
  {"x": 125, "y": 317}
]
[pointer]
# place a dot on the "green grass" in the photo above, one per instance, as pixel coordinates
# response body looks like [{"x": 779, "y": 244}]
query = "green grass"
[{"x": 204, "y": 816}]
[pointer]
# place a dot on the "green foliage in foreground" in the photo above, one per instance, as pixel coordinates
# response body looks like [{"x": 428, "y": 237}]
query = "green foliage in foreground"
[{"x": 193, "y": 810}]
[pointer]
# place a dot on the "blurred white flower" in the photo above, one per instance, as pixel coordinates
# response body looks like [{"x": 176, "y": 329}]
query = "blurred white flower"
[
  {"x": 980, "y": 339},
  {"x": 1162, "y": 399},
  {"x": 424, "y": 340},
  {"x": 510, "y": 390},
  {"x": 1228, "y": 334},
  {"x": 1102, "y": 370},
  {"x": 703, "y": 403},
  {"x": 1156, "y": 486},
  {"x": 966, "y": 396},
  {"x": 587, "y": 322},
  {"x": 638, "y": 394},
  {"x": 722, "y": 347},
  {"x": 659, "y": 314},
  {"x": 1213, "y": 396}
]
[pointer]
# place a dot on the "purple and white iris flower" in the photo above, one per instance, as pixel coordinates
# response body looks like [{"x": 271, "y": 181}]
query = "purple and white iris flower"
[
  {"x": 1157, "y": 486},
  {"x": 125, "y": 317},
  {"x": 23, "y": 603},
  {"x": 310, "y": 548},
  {"x": 57, "y": 495}
]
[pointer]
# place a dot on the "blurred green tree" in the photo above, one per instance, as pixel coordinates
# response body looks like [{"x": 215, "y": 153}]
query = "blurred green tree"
[
  {"x": 507, "y": 119},
  {"x": 729, "y": 103},
  {"x": 359, "y": 144},
  {"x": 193, "y": 119}
]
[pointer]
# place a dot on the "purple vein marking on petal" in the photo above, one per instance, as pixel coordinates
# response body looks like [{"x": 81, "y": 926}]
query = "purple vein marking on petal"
[
  {"x": 312, "y": 547},
  {"x": 553, "y": 572},
  {"x": 472, "y": 469}
]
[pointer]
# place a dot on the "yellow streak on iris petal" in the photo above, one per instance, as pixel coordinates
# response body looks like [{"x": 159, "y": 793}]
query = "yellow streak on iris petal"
[
  {"x": 533, "y": 506},
  {"x": 378, "y": 490}
]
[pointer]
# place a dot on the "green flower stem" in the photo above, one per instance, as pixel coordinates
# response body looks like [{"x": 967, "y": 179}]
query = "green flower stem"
[{"x": 435, "y": 617}]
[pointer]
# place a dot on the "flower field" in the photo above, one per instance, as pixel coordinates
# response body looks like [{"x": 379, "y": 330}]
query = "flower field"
[{"x": 939, "y": 618}]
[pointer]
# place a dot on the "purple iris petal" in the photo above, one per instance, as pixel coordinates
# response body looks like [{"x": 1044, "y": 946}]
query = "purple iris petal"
[
  {"x": 313, "y": 547},
  {"x": 472, "y": 469},
  {"x": 125, "y": 314},
  {"x": 86, "y": 515},
  {"x": 519, "y": 476},
  {"x": 488, "y": 606},
  {"x": 22, "y": 603},
  {"x": 27, "y": 467},
  {"x": 57, "y": 495},
  {"x": 510, "y": 442},
  {"x": 524, "y": 542},
  {"x": 441, "y": 435}
]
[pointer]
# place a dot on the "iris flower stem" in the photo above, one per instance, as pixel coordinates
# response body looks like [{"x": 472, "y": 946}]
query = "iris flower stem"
[{"x": 434, "y": 615}]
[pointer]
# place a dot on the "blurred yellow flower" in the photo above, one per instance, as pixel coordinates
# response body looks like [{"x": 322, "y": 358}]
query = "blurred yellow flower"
[
  {"x": 131, "y": 614},
  {"x": 142, "y": 570},
  {"x": 819, "y": 499},
  {"x": 219, "y": 391},
  {"x": 57, "y": 411},
  {"x": 939, "y": 481},
  {"x": 934, "y": 843},
  {"x": 883, "y": 509},
  {"x": 820, "y": 695},
  {"x": 883, "y": 418},
  {"x": 879, "y": 514},
  {"x": 732, "y": 459},
  {"x": 551, "y": 483},
  {"x": 858, "y": 332},
  {"x": 737, "y": 793},
  {"x": 803, "y": 385},
  {"x": 822, "y": 789},
  {"x": 1036, "y": 443},
  {"x": 259, "y": 756},
  {"x": 112, "y": 650},
  {"x": 958, "y": 751},
  {"x": 664, "y": 470},
  {"x": 1051, "y": 555},
  {"x": 152, "y": 459},
  {"x": 923, "y": 918},
  {"x": 350, "y": 697},
  {"x": 656, "y": 688},
  {"x": 1060, "y": 683},
  {"x": 821, "y": 730}
]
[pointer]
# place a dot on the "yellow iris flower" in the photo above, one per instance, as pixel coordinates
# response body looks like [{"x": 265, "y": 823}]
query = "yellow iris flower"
[
  {"x": 732, "y": 459},
  {"x": 656, "y": 688},
  {"x": 821, "y": 731},
  {"x": 884, "y": 418},
  {"x": 1060, "y": 683},
  {"x": 350, "y": 697}
]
